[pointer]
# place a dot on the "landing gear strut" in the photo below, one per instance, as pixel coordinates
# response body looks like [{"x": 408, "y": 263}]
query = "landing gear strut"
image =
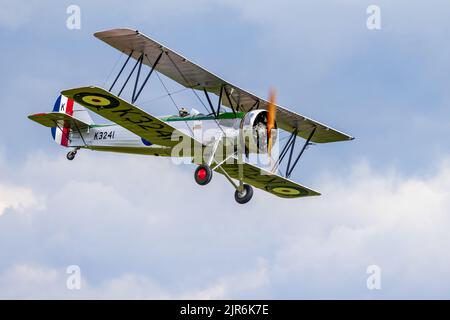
[
  {"x": 245, "y": 195},
  {"x": 71, "y": 155},
  {"x": 203, "y": 174}
]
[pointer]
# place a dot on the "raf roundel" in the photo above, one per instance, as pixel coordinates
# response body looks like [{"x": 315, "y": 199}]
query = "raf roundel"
[
  {"x": 96, "y": 100},
  {"x": 286, "y": 191}
]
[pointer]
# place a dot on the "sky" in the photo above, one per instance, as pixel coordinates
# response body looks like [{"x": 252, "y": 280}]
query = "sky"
[{"x": 139, "y": 227}]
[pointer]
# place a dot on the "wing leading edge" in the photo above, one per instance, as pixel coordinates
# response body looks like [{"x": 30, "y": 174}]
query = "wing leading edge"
[{"x": 189, "y": 74}]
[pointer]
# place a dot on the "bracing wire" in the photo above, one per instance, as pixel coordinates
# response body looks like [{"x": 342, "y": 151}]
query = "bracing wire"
[
  {"x": 164, "y": 96},
  {"x": 173, "y": 101},
  {"x": 193, "y": 90},
  {"x": 113, "y": 68}
]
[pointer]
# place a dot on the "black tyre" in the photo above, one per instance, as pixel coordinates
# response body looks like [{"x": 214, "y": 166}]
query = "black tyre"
[
  {"x": 245, "y": 195},
  {"x": 203, "y": 175},
  {"x": 71, "y": 155}
]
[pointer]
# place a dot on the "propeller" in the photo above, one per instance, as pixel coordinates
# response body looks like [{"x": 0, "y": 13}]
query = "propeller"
[{"x": 271, "y": 114}]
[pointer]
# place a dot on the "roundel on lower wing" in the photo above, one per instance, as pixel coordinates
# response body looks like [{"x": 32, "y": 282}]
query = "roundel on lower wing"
[
  {"x": 286, "y": 191},
  {"x": 96, "y": 100},
  {"x": 146, "y": 142}
]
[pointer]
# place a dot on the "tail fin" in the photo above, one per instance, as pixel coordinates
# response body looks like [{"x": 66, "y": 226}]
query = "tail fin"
[{"x": 68, "y": 106}]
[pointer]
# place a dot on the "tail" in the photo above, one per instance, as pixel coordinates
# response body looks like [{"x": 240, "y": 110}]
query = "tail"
[{"x": 65, "y": 105}]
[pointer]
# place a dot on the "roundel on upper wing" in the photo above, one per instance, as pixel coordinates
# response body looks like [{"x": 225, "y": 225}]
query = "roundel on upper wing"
[
  {"x": 287, "y": 191},
  {"x": 96, "y": 100}
]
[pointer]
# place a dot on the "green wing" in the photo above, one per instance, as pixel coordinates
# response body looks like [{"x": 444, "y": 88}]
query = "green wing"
[
  {"x": 191, "y": 75},
  {"x": 128, "y": 116},
  {"x": 267, "y": 181}
]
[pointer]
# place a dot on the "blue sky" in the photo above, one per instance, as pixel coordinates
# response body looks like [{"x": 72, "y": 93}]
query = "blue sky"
[{"x": 137, "y": 233}]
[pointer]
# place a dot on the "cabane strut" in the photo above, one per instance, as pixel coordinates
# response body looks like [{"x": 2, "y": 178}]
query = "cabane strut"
[
  {"x": 289, "y": 147},
  {"x": 136, "y": 91}
]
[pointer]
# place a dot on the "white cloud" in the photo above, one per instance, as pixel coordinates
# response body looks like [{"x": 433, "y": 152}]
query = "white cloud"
[
  {"x": 32, "y": 281},
  {"x": 18, "y": 198},
  {"x": 253, "y": 281},
  {"x": 140, "y": 227}
]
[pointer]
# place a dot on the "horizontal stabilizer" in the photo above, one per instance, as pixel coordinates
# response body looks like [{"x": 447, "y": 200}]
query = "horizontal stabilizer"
[{"x": 58, "y": 119}]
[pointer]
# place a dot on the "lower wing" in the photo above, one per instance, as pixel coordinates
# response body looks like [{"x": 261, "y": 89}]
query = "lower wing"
[{"x": 267, "y": 181}]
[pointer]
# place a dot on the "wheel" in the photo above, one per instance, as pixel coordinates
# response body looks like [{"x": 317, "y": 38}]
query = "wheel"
[
  {"x": 203, "y": 175},
  {"x": 245, "y": 195},
  {"x": 71, "y": 155}
]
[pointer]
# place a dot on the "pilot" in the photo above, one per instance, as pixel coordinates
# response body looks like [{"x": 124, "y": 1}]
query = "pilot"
[{"x": 183, "y": 112}]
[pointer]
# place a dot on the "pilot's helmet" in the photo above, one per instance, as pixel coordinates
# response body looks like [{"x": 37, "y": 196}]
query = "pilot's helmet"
[{"x": 183, "y": 112}]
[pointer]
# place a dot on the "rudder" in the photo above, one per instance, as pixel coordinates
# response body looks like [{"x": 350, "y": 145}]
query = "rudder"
[
  {"x": 61, "y": 133},
  {"x": 65, "y": 105}
]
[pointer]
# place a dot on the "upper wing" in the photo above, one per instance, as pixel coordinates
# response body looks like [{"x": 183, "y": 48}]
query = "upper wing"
[
  {"x": 127, "y": 115},
  {"x": 267, "y": 181},
  {"x": 189, "y": 74},
  {"x": 51, "y": 120}
]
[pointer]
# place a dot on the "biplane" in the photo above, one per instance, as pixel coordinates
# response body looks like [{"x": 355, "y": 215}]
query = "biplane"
[{"x": 239, "y": 125}]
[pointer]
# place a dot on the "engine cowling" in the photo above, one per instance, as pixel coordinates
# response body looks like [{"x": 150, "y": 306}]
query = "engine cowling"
[{"x": 255, "y": 132}]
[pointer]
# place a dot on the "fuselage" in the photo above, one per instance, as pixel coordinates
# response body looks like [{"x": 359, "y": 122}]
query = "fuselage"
[{"x": 115, "y": 138}]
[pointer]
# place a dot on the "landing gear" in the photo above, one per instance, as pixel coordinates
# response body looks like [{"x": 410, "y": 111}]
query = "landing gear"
[
  {"x": 203, "y": 175},
  {"x": 245, "y": 195},
  {"x": 71, "y": 155}
]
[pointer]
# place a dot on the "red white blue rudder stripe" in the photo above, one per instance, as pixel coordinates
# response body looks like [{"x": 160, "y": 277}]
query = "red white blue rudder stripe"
[{"x": 61, "y": 133}]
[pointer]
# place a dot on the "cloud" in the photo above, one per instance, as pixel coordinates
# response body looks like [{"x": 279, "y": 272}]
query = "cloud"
[
  {"x": 139, "y": 227},
  {"x": 250, "y": 282},
  {"x": 19, "y": 199},
  {"x": 29, "y": 280}
]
